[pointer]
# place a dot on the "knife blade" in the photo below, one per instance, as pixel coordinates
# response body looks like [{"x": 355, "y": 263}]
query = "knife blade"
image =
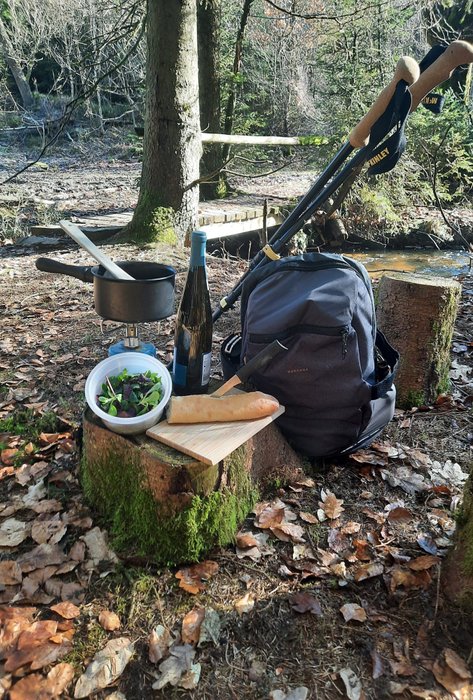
[{"x": 258, "y": 362}]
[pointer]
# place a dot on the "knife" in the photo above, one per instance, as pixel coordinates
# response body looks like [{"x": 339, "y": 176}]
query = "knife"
[{"x": 258, "y": 362}]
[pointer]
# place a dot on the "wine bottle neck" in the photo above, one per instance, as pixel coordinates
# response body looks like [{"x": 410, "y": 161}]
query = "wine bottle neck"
[{"x": 197, "y": 249}]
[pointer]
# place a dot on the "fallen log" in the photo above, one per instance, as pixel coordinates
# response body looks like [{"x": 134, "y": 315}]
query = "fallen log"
[{"x": 417, "y": 314}]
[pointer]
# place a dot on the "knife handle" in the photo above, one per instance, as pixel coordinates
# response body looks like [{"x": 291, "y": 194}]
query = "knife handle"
[{"x": 260, "y": 360}]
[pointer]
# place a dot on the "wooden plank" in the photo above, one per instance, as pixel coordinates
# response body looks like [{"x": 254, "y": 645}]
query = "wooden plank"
[
  {"x": 236, "y": 228},
  {"x": 242, "y": 139},
  {"x": 217, "y": 222},
  {"x": 210, "y": 442}
]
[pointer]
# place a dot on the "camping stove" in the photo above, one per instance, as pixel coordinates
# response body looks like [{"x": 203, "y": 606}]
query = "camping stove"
[{"x": 132, "y": 343}]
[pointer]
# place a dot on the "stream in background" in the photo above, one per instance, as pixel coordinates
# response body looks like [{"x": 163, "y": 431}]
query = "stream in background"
[{"x": 445, "y": 263}]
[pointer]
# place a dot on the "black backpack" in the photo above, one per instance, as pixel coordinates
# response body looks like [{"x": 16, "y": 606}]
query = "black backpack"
[{"x": 336, "y": 379}]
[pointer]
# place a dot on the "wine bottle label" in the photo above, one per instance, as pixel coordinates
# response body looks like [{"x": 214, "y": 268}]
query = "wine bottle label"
[
  {"x": 206, "y": 360},
  {"x": 180, "y": 373}
]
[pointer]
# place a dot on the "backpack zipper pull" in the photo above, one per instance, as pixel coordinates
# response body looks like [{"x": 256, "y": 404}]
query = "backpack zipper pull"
[{"x": 344, "y": 335}]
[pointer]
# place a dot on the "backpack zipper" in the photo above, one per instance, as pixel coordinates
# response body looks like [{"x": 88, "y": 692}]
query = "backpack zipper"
[{"x": 267, "y": 338}]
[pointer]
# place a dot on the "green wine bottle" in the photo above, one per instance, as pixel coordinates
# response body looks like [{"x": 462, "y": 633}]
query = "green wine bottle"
[{"x": 193, "y": 334}]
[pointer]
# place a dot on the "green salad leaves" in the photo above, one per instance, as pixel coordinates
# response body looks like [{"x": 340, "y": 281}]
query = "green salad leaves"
[{"x": 128, "y": 395}]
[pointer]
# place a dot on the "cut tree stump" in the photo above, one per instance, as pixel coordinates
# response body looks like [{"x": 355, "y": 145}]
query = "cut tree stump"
[
  {"x": 417, "y": 315},
  {"x": 161, "y": 504}
]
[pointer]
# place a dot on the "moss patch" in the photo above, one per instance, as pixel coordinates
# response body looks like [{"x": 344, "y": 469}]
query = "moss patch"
[
  {"x": 151, "y": 223},
  {"x": 140, "y": 525},
  {"x": 443, "y": 335}
]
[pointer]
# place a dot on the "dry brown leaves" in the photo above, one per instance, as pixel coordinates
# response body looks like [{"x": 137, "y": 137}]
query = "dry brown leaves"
[{"x": 193, "y": 579}]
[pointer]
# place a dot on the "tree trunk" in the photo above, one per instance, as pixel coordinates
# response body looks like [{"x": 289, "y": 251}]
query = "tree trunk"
[
  {"x": 211, "y": 162},
  {"x": 27, "y": 99},
  {"x": 417, "y": 314},
  {"x": 231, "y": 100},
  {"x": 457, "y": 577},
  {"x": 168, "y": 202}
]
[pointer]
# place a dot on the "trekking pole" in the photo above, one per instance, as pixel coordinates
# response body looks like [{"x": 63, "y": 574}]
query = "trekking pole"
[
  {"x": 455, "y": 54},
  {"x": 407, "y": 71},
  {"x": 438, "y": 65}
]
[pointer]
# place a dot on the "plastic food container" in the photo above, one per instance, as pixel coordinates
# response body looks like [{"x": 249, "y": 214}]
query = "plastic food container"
[{"x": 135, "y": 363}]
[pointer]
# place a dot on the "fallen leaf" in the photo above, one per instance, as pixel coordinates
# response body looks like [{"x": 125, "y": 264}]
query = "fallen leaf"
[
  {"x": 300, "y": 693},
  {"x": 8, "y": 455},
  {"x": 47, "y": 529},
  {"x": 190, "y": 633},
  {"x": 58, "y": 679},
  {"x": 303, "y": 602},
  {"x": 352, "y": 611},
  {"x": 400, "y": 515},
  {"x": 13, "y": 532},
  {"x": 408, "y": 579},
  {"x": 288, "y": 532},
  {"x": 210, "y": 627},
  {"x": 362, "y": 551},
  {"x": 38, "y": 656},
  {"x": 452, "y": 672},
  {"x": 6, "y": 471},
  {"x": 109, "y": 621},
  {"x": 351, "y": 528},
  {"x": 427, "y": 543},
  {"x": 337, "y": 541},
  {"x": 352, "y": 684},
  {"x": 245, "y": 540},
  {"x": 41, "y": 556},
  {"x": 178, "y": 669},
  {"x": 29, "y": 687},
  {"x": 245, "y": 604},
  {"x": 426, "y": 561},
  {"x": 368, "y": 571},
  {"x": 108, "y": 664},
  {"x": 97, "y": 546},
  {"x": 308, "y": 518},
  {"x": 303, "y": 551},
  {"x": 330, "y": 504},
  {"x": 271, "y": 516},
  {"x": 378, "y": 664},
  {"x": 193, "y": 578},
  {"x": 36, "y": 634},
  {"x": 10, "y": 573},
  {"x": 159, "y": 642},
  {"x": 403, "y": 668}
]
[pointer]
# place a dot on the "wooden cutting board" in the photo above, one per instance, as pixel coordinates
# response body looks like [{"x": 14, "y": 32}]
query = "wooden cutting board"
[{"x": 210, "y": 442}]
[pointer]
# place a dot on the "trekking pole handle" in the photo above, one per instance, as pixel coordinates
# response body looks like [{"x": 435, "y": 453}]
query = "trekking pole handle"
[
  {"x": 456, "y": 54},
  {"x": 406, "y": 69}
]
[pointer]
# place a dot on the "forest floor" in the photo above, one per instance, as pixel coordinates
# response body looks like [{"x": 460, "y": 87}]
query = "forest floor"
[{"x": 352, "y": 605}]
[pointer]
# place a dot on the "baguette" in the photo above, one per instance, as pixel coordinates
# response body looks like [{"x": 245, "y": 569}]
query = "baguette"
[{"x": 211, "y": 409}]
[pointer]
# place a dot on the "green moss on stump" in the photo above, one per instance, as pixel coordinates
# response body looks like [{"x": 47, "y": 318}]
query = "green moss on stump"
[
  {"x": 151, "y": 222},
  {"x": 138, "y": 524}
]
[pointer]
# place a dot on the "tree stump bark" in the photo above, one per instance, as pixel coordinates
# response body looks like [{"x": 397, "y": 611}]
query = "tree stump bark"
[
  {"x": 457, "y": 574},
  {"x": 169, "y": 507},
  {"x": 417, "y": 315}
]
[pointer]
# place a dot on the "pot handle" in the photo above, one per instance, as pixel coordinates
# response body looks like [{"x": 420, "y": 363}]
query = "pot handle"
[{"x": 81, "y": 272}]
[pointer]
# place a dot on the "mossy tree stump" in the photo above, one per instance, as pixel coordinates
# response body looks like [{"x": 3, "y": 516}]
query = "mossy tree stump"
[
  {"x": 169, "y": 507},
  {"x": 417, "y": 314}
]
